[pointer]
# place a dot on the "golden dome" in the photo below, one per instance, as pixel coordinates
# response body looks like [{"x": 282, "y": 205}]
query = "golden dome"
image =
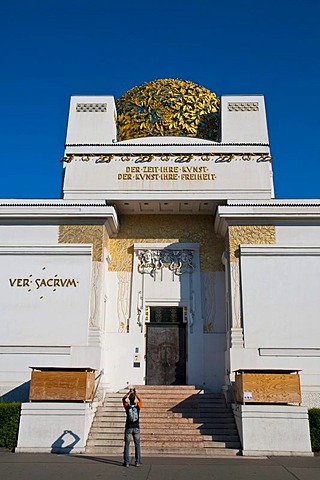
[{"x": 168, "y": 107}]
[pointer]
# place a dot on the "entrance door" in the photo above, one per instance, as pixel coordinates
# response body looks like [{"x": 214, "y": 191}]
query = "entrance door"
[{"x": 166, "y": 347}]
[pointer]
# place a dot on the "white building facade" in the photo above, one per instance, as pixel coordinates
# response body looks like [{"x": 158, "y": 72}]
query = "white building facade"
[{"x": 167, "y": 261}]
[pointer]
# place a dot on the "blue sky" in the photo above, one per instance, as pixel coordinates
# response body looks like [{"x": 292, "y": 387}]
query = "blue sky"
[{"x": 52, "y": 49}]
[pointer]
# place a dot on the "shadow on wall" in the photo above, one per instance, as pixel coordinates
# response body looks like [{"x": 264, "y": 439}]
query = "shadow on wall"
[
  {"x": 62, "y": 445},
  {"x": 18, "y": 394}
]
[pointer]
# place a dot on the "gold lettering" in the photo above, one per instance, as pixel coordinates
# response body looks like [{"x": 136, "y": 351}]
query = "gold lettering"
[
  {"x": 124, "y": 176},
  {"x": 187, "y": 169},
  {"x": 150, "y": 169},
  {"x": 169, "y": 169},
  {"x": 169, "y": 173},
  {"x": 198, "y": 176},
  {"x": 169, "y": 176}
]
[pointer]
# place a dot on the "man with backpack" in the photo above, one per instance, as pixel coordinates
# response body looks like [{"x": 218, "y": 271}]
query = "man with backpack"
[{"x": 132, "y": 427}]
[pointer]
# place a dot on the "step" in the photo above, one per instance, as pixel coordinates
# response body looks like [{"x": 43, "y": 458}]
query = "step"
[
  {"x": 168, "y": 452},
  {"x": 147, "y": 448},
  {"x": 181, "y": 430},
  {"x": 208, "y": 421},
  {"x": 186, "y": 395},
  {"x": 216, "y": 433},
  {"x": 153, "y": 443},
  {"x": 186, "y": 422},
  {"x": 167, "y": 413},
  {"x": 198, "y": 416},
  {"x": 176, "y": 397},
  {"x": 152, "y": 428},
  {"x": 219, "y": 423},
  {"x": 170, "y": 400},
  {"x": 149, "y": 434},
  {"x": 211, "y": 434},
  {"x": 183, "y": 410},
  {"x": 166, "y": 388},
  {"x": 178, "y": 440},
  {"x": 168, "y": 427}
]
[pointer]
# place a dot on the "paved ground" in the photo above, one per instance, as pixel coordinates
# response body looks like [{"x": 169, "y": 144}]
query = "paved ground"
[{"x": 21, "y": 466}]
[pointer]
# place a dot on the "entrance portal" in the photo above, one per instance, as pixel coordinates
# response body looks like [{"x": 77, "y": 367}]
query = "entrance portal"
[{"x": 166, "y": 347}]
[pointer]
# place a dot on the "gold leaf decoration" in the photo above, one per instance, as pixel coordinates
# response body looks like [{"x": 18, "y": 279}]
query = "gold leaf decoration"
[
  {"x": 94, "y": 234},
  {"x": 250, "y": 234},
  {"x": 166, "y": 229},
  {"x": 168, "y": 107}
]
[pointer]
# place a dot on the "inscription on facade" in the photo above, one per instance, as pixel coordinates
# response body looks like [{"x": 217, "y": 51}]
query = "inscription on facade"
[
  {"x": 148, "y": 172},
  {"x": 43, "y": 282}
]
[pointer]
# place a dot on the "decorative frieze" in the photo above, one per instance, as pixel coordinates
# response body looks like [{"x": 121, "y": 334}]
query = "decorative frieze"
[
  {"x": 167, "y": 157},
  {"x": 178, "y": 261}
]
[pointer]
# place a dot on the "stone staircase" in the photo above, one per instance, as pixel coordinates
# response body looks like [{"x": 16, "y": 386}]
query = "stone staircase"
[{"x": 174, "y": 421}]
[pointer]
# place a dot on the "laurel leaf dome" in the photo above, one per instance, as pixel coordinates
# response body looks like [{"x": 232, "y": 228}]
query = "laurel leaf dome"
[{"x": 168, "y": 107}]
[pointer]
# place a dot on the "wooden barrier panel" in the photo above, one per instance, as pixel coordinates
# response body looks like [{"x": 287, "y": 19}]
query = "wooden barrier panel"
[
  {"x": 267, "y": 386},
  {"x": 50, "y": 384}
]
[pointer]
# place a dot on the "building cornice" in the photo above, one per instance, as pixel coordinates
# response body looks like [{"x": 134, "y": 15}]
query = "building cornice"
[
  {"x": 273, "y": 212},
  {"x": 58, "y": 211}
]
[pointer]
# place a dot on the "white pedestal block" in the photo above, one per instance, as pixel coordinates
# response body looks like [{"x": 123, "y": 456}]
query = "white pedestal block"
[
  {"x": 55, "y": 427},
  {"x": 273, "y": 429}
]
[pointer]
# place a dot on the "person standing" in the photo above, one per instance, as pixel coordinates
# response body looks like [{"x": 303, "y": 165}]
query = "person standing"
[{"x": 132, "y": 428}]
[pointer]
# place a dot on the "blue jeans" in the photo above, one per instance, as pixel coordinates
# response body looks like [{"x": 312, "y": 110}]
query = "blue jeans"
[{"x": 135, "y": 432}]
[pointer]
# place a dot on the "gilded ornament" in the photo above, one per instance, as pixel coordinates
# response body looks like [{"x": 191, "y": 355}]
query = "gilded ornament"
[
  {"x": 166, "y": 229},
  {"x": 178, "y": 158},
  {"x": 144, "y": 158},
  {"x": 225, "y": 158},
  {"x": 250, "y": 234},
  {"x": 184, "y": 158},
  {"x": 94, "y": 234},
  {"x": 168, "y": 107},
  {"x": 264, "y": 157},
  {"x": 247, "y": 157},
  {"x": 104, "y": 158}
]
